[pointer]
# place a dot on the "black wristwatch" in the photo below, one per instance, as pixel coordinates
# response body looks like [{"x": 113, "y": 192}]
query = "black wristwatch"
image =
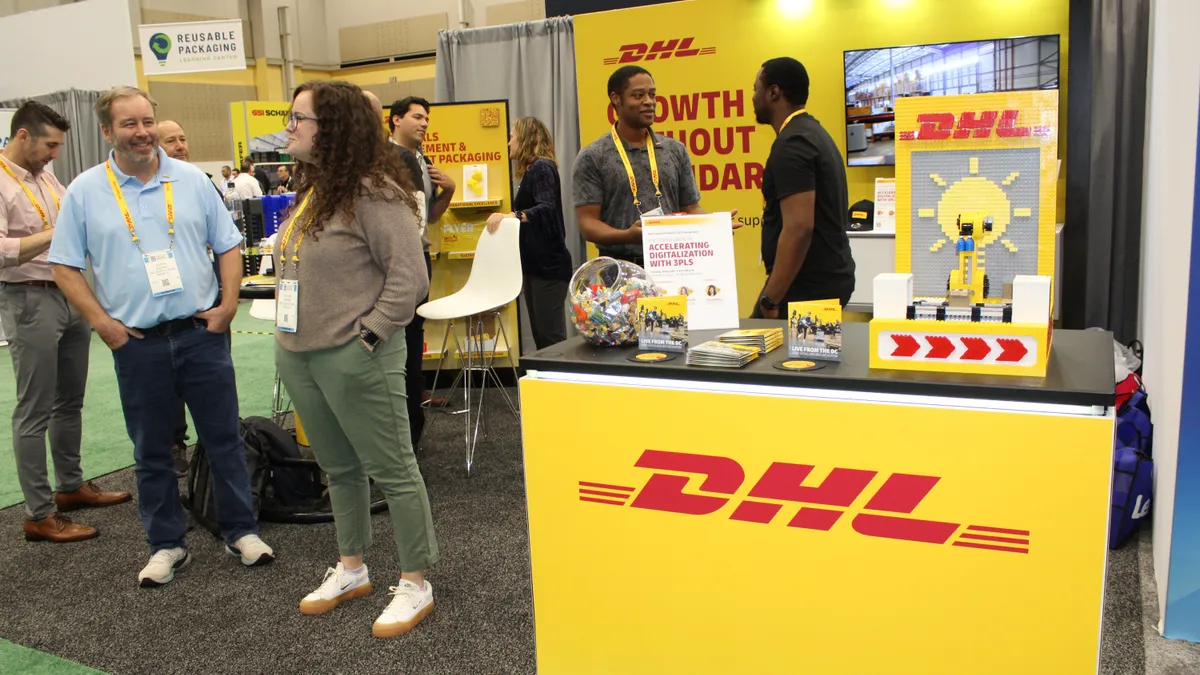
[{"x": 766, "y": 303}]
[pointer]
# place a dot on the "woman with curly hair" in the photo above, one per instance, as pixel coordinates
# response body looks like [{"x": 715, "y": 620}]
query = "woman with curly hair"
[
  {"x": 545, "y": 261},
  {"x": 350, "y": 271}
]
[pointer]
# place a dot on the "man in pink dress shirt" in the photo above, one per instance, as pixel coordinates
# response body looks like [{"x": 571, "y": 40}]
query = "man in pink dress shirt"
[{"x": 49, "y": 339}]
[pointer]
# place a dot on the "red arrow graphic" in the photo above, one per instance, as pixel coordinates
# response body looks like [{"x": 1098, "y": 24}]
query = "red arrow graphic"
[
  {"x": 977, "y": 348},
  {"x": 940, "y": 347},
  {"x": 1014, "y": 350},
  {"x": 906, "y": 345}
]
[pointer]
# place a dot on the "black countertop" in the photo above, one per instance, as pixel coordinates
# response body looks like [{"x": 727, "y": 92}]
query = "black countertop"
[{"x": 1081, "y": 369}]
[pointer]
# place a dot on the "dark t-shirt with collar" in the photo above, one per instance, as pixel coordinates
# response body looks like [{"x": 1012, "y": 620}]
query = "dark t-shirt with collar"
[
  {"x": 803, "y": 158},
  {"x": 600, "y": 178}
]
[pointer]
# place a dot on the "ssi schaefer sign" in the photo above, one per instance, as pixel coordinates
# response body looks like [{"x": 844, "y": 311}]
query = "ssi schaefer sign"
[{"x": 192, "y": 47}]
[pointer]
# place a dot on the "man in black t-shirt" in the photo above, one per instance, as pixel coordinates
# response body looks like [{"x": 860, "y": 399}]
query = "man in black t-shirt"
[{"x": 804, "y": 244}]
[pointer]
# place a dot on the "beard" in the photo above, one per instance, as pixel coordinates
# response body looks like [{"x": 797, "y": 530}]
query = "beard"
[{"x": 762, "y": 116}]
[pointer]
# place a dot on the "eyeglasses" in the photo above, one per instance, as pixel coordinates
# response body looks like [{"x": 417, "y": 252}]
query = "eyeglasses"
[{"x": 293, "y": 120}]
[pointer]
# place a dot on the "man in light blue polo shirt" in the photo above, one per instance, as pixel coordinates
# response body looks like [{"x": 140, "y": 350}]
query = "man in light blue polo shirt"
[{"x": 145, "y": 222}]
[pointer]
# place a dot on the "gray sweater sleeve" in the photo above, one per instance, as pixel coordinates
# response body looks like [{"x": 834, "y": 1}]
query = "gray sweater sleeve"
[{"x": 390, "y": 230}]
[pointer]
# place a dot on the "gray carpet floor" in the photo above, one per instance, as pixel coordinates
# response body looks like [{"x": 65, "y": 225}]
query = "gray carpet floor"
[{"x": 81, "y": 601}]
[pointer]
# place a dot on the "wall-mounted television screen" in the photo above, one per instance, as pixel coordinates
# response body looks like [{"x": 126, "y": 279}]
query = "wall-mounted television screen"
[{"x": 875, "y": 78}]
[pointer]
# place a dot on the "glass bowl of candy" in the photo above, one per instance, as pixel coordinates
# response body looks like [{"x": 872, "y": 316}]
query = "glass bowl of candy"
[{"x": 602, "y": 299}]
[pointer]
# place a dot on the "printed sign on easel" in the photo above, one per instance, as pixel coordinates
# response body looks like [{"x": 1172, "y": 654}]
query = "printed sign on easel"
[{"x": 692, "y": 255}]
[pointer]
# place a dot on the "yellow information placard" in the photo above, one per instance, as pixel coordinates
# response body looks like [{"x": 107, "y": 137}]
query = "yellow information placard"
[
  {"x": 469, "y": 142},
  {"x": 259, "y": 128},
  {"x": 884, "y": 538}
]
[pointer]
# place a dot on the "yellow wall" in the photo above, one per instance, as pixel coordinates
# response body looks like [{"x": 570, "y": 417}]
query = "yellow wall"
[
  {"x": 267, "y": 79},
  {"x": 403, "y": 71},
  {"x": 816, "y": 32}
]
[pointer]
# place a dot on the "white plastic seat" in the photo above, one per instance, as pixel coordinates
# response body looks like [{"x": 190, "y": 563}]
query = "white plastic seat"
[{"x": 494, "y": 281}]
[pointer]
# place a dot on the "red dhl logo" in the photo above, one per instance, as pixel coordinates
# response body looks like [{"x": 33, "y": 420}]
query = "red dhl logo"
[
  {"x": 782, "y": 482},
  {"x": 661, "y": 49},
  {"x": 970, "y": 124}
]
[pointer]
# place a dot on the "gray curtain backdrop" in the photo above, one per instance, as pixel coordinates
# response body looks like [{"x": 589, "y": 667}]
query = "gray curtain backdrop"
[
  {"x": 85, "y": 146},
  {"x": 1106, "y": 124},
  {"x": 533, "y": 66}
]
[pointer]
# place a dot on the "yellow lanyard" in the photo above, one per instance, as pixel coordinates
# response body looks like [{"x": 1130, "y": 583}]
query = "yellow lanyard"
[
  {"x": 789, "y": 119},
  {"x": 29, "y": 193},
  {"x": 629, "y": 167},
  {"x": 168, "y": 196},
  {"x": 287, "y": 234}
]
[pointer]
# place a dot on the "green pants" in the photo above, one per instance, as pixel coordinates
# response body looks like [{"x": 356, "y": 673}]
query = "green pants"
[{"x": 353, "y": 406}]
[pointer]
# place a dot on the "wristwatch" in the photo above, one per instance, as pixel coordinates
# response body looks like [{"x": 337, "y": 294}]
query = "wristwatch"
[{"x": 767, "y": 303}]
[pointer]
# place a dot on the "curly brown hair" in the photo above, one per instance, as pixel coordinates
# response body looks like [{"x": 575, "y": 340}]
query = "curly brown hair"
[{"x": 349, "y": 148}]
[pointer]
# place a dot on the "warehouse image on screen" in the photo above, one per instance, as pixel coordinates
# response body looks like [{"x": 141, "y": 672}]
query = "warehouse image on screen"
[{"x": 875, "y": 78}]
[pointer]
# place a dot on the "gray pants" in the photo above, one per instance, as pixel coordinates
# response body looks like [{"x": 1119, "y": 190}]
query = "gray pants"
[
  {"x": 545, "y": 299},
  {"x": 49, "y": 343}
]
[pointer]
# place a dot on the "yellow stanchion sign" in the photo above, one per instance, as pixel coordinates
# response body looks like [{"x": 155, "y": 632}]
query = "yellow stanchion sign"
[
  {"x": 469, "y": 142},
  {"x": 258, "y": 127},
  {"x": 907, "y": 548}
]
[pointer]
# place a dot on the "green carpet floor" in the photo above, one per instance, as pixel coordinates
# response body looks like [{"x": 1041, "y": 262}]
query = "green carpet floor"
[
  {"x": 18, "y": 659},
  {"x": 106, "y": 446}
]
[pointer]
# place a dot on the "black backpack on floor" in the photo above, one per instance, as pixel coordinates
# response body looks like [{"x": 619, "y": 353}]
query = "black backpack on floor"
[{"x": 274, "y": 480}]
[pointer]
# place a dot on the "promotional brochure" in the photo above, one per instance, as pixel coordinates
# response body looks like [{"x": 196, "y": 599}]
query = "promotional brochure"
[
  {"x": 662, "y": 323},
  {"x": 815, "y": 330},
  {"x": 692, "y": 255}
]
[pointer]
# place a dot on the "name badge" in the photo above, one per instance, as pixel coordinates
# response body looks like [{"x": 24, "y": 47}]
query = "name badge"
[
  {"x": 287, "y": 305},
  {"x": 656, "y": 212},
  {"x": 163, "y": 272}
]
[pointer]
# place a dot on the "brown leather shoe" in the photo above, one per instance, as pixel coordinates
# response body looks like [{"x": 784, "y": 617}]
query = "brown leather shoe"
[
  {"x": 57, "y": 529},
  {"x": 89, "y": 496}
]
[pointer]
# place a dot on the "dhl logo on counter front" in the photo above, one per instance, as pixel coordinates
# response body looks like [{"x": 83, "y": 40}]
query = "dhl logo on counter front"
[
  {"x": 900, "y": 493},
  {"x": 661, "y": 49},
  {"x": 940, "y": 126}
]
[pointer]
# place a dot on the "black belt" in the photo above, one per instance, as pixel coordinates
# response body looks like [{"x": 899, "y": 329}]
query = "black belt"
[
  {"x": 38, "y": 283},
  {"x": 175, "y": 326}
]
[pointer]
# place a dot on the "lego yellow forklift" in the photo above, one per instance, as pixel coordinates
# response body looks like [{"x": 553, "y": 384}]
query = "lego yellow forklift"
[{"x": 970, "y": 275}]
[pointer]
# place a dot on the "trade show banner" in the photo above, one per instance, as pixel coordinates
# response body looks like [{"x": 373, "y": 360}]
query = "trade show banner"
[
  {"x": 193, "y": 47},
  {"x": 692, "y": 256},
  {"x": 469, "y": 142},
  {"x": 703, "y": 72},
  {"x": 1182, "y": 616},
  {"x": 259, "y": 130}
]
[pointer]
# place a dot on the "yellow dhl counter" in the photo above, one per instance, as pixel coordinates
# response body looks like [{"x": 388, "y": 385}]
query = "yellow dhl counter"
[{"x": 839, "y": 521}]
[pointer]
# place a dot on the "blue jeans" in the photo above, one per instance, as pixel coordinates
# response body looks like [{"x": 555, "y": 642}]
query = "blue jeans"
[{"x": 153, "y": 374}]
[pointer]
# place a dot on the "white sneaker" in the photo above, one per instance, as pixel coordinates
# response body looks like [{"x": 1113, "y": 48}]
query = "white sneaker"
[
  {"x": 162, "y": 566},
  {"x": 408, "y": 606},
  {"x": 338, "y": 585},
  {"x": 252, "y": 549}
]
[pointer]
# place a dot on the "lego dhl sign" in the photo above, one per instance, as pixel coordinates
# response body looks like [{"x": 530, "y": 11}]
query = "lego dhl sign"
[
  {"x": 962, "y": 125},
  {"x": 659, "y": 50},
  {"x": 1013, "y": 349},
  {"x": 887, "y": 513}
]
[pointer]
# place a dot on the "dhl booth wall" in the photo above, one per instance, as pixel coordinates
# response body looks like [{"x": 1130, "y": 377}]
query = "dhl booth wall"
[{"x": 704, "y": 88}]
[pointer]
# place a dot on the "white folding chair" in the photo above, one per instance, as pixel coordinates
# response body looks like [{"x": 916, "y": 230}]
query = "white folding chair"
[{"x": 494, "y": 281}]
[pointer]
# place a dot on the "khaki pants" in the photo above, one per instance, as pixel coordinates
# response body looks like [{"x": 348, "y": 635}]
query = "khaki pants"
[{"x": 354, "y": 408}]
